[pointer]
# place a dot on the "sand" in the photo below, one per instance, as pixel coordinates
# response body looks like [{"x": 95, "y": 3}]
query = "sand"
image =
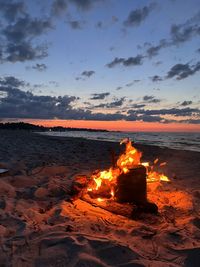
[{"x": 39, "y": 226}]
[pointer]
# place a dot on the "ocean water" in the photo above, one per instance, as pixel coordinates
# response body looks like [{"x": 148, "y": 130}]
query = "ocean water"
[{"x": 183, "y": 141}]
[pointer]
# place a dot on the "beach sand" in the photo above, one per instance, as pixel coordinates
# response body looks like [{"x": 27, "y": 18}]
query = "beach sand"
[{"x": 40, "y": 227}]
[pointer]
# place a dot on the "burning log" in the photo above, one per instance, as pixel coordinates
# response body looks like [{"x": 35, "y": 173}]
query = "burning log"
[{"x": 131, "y": 187}]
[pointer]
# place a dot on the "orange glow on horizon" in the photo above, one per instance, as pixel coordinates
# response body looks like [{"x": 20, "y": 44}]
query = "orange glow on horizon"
[{"x": 129, "y": 126}]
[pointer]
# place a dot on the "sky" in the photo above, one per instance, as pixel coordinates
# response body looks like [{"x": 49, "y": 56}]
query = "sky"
[{"x": 114, "y": 64}]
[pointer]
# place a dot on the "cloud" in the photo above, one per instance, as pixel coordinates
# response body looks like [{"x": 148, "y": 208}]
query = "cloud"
[
  {"x": 99, "y": 24},
  {"x": 11, "y": 81},
  {"x": 153, "y": 50},
  {"x": 193, "y": 121},
  {"x": 151, "y": 99},
  {"x": 88, "y": 73},
  {"x": 59, "y": 7},
  {"x": 131, "y": 61},
  {"x": 156, "y": 78},
  {"x": 11, "y": 10},
  {"x": 99, "y": 96},
  {"x": 26, "y": 28},
  {"x": 76, "y": 24},
  {"x": 19, "y": 31},
  {"x": 178, "y": 34},
  {"x": 24, "y": 52},
  {"x": 183, "y": 32},
  {"x": 39, "y": 67},
  {"x": 132, "y": 83},
  {"x": 136, "y": 16},
  {"x": 182, "y": 71},
  {"x": 24, "y": 104},
  {"x": 114, "y": 104},
  {"x": 186, "y": 103},
  {"x": 172, "y": 111},
  {"x": 138, "y": 106},
  {"x": 18, "y": 103},
  {"x": 84, "y": 4}
]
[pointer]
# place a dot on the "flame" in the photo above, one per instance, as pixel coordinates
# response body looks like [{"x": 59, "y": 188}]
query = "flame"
[{"x": 106, "y": 180}]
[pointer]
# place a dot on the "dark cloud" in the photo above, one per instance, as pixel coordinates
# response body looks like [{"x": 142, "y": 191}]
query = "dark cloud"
[
  {"x": 99, "y": 24},
  {"x": 79, "y": 79},
  {"x": 147, "y": 118},
  {"x": 26, "y": 28},
  {"x": 115, "y": 62},
  {"x": 129, "y": 84},
  {"x": 131, "y": 61},
  {"x": 39, "y": 67},
  {"x": 182, "y": 71},
  {"x": 193, "y": 121},
  {"x": 156, "y": 78},
  {"x": 99, "y": 96},
  {"x": 178, "y": 34},
  {"x": 186, "y": 103},
  {"x": 154, "y": 50},
  {"x": 59, "y": 7},
  {"x": 24, "y": 52},
  {"x": 88, "y": 73},
  {"x": 19, "y": 32},
  {"x": 75, "y": 24},
  {"x": 84, "y": 4},
  {"x": 183, "y": 32},
  {"x": 18, "y": 103},
  {"x": 138, "y": 106},
  {"x": 107, "y": 117},
  {"x": 114, "y": 104},
  {"x": 151, "y": 99},
  {"x": 119, "y": 88},
  {"x": 132, "y": 83},
  {"x": 11, "y": 81},
  {"x": 24, "y": 104},
  {"x": 136, "y": 16},
  {"x": 157, "y": 63},
  {"x": 172, "y": 111},
  {"x": 11, "y": 10}
]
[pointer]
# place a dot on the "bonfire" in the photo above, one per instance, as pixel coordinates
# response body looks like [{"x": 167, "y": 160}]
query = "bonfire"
[{"x": 126, "y": 182}]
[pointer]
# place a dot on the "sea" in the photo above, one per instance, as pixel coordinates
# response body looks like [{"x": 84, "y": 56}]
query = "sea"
[{"x": 173, "y": 140}]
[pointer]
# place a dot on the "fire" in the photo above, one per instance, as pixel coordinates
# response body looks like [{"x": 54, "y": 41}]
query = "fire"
[{"x": 103, "y": 183}]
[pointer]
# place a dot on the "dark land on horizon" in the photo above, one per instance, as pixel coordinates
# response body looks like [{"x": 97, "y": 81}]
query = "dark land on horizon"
[{"x": 32, "y": 127}]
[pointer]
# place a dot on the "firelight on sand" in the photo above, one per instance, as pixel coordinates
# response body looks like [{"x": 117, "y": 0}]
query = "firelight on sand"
[{"x": 106, "y": 180}]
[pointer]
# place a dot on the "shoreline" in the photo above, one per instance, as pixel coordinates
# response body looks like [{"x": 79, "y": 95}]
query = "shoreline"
[{"x": 146, "y": 138}]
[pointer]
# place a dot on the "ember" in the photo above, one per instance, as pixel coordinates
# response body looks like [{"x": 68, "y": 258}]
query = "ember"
[{"x": 127, "y": 182}]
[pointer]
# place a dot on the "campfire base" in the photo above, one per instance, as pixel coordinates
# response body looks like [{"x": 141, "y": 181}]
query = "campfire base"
[
  {"x": 130, "y": 194},
  {"x": 128, "y": 210}
]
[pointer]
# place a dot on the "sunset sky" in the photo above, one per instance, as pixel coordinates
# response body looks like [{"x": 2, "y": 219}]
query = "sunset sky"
[{"x": 114, "y": 64}]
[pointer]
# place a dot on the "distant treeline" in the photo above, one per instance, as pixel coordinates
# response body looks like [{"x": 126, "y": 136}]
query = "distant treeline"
[{"x": 32, "y": 127}]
